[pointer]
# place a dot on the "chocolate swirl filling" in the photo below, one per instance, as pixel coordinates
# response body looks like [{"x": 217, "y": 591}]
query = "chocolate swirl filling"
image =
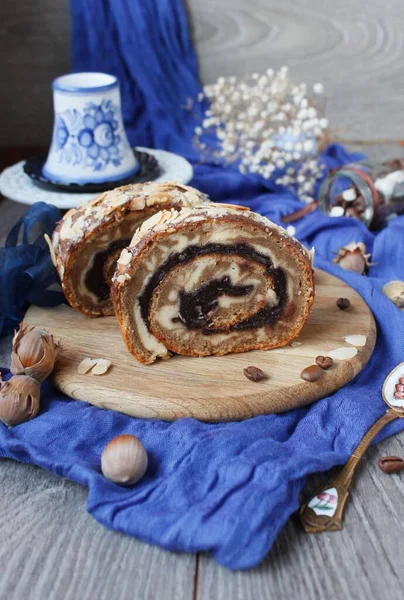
[
  {"x": 97, "y": 280},
  {"x": 195, "y": 306}
]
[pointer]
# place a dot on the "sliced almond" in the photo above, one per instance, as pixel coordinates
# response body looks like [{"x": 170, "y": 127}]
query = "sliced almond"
[
  {"x": 191, "y": 197},
  {"x": 356, "y": 340},
  {"x": 51, "y": 249},
  {"x": 101, "y": 367},
  {"x": 343, "y": 353},
  {"x": 55, "y": 240},
  {"x": 235, "y": 206},
  {"x": 138, "y": 203},
  {"x": 118, "y": 200},
  {"x": 66, "y": 232},
  {"x": 85, "y": 365},
  {"x": 296, "y": 344},
  {"x": 125, "y": 257},
  {"x": 153, "y": 220},
  {"x": 122, "y": 278}
]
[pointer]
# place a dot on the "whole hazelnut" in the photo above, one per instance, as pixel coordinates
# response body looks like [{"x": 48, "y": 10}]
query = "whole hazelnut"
[
  {"x": 19, "y": 400},
  {"x": 353, "y": 257},
  {"x": 124, "y": 460},
  {"x": 395, "y": 291},
  {"x": 33, "y": 352}
]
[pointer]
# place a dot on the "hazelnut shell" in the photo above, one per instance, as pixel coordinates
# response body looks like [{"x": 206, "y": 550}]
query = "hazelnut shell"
[
  {"x": 19, "y": 400},
  {"x": 33, "y": 352}
]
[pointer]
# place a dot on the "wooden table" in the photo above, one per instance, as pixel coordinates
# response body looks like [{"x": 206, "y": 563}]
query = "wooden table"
[{"x": 51, "y": 549}]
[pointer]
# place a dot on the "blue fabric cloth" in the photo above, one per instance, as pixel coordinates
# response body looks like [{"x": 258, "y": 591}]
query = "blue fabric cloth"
[
  {"x": 26, "y": 271},
  {"x": 147, "y": 46},
  {"x": 228, "y": 487}
]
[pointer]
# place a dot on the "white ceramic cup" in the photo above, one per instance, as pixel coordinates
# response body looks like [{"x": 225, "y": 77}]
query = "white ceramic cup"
[{"x": 89, "y": 143}]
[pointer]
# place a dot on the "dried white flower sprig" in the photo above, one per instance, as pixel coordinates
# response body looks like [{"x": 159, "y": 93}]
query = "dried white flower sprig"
[{"x": 268, "y": 125}]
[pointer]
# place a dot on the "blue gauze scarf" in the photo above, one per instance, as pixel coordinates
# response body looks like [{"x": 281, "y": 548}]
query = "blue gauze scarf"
[{"x": 228, "y": 487}]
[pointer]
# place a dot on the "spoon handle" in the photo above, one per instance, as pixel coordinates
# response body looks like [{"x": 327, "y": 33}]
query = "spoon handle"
[{"x": 325, "y": 510}]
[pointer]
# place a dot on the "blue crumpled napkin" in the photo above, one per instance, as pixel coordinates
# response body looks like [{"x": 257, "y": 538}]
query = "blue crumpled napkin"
[{"x": 26, "y": 271}]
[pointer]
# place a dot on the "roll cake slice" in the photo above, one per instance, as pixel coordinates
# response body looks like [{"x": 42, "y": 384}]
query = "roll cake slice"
[
  {"x": 208, "y": 281},
  {"x": 88, "y": 240}
]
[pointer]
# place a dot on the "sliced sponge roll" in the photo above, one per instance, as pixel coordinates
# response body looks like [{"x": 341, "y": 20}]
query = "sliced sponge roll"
[
  {"x": 88, "y": 240},
  {"x": 210, "y": 280}
]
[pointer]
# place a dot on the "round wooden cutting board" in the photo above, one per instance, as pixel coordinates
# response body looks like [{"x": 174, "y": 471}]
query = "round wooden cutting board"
[{"x": 211, "y": 388}]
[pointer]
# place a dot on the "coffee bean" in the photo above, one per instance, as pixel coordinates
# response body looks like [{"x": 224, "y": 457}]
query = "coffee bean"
[
  {"x": 399, "y": 395},
  {"x": 401, "y": 380},
  {"x": 391, "y": 464},
  {"x": 254, "y": 373},
  {"x": 399, "y": 387},
  {"x": 312, "y": 373},
  {"x": 325, "y": 362},
  {"x": 343, "y": 303}
]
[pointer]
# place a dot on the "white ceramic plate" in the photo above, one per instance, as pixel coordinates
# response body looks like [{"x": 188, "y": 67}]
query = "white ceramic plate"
[{"x": 16, "y": 185}]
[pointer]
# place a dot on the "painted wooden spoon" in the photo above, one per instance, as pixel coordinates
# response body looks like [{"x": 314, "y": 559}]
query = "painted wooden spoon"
[{"x": 325, "y": 510}]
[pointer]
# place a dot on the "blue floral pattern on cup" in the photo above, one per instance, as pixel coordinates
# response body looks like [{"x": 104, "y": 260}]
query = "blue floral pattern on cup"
[
  {"x": 90, "y": 138},
  {"x": 61, "y": 133}
]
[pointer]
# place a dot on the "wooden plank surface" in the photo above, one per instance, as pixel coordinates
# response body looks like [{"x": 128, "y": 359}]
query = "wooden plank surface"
[
  {"x": 52, "y": 549},
  {"x": 211, "y": 388},
  {"x": 354, "y": 47}
]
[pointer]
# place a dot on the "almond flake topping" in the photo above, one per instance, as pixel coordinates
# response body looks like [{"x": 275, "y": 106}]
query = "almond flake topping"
[
  {"x": 343, "y": 353},
  {"x": 122, "y": 278},
  {"x": 66, "y": 231},
  {"x": 55, "y": 240},
  {"x": 51, "y": 249},
  {"x": 118, "y": 200},
  {"x": 152, "y": 221},
  {"x": 138, "y": 203},
  {"x": 97, "y": 366},
  {"x": 101, "y": 366},
  {"x": 234, "y": 206},
  {"x": 356, "y": 340},
  {"x": 125, "y": 257},
  {"x": 85, "y": 365}
]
